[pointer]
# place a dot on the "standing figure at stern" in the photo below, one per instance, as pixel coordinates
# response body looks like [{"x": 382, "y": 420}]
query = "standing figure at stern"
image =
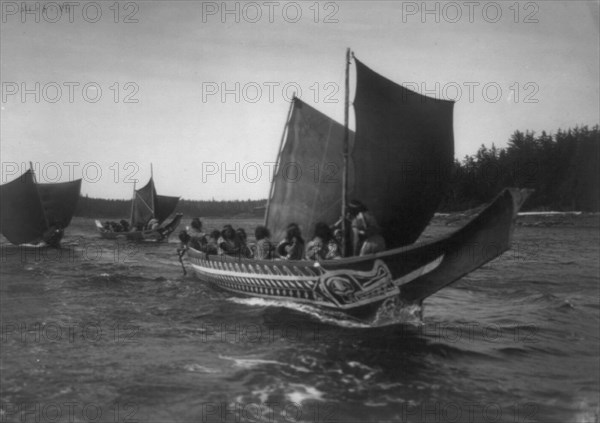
[{"x": 366, "y": 233}]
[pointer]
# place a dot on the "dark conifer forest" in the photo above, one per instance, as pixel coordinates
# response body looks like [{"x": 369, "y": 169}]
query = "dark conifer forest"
[{"x": 561, "y": 168}]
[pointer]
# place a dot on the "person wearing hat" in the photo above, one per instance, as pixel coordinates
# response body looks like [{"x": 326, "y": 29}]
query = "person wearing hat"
[{"x": 366, "y": 233}]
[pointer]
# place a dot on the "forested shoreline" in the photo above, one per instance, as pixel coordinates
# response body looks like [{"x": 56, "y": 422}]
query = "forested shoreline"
[
  {"x": 561, "y": 168},
  {"x": 113, "y": 209}
]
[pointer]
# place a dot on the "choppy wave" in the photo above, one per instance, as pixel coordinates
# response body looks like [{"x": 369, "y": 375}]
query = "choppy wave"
[
  {"x": 389, "y": 314},
  {"x": 329, "y": 317},
  {"x": 520, "y": 334}
]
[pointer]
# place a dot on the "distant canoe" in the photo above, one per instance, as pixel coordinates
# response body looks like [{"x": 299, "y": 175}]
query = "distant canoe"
[
  {"x": 145, "y": 206},
  {"x": 155, "y": 235},
  {"x": 37, "y": 214}
]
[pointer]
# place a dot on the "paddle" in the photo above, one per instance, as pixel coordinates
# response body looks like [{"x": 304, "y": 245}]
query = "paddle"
[
  {"x": 184, "y": 237},
  {"x": 180, "y": 253}
]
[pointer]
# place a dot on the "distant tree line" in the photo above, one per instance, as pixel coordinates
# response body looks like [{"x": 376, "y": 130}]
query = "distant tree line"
[
  {"x": 101, "y": 208},
  {"x": 221, "y": 208},
  {"x": 563, "y": 169},
  {"x": 120, "y": 209}
]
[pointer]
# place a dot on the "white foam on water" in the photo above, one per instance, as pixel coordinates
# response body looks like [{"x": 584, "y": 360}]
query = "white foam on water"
[
  {"x": 394, "y": 312},
  {"x": 369, "y": 372},
  {"x": 198, "y": 368},
  {"x": 262, "y": 394},
  {"x": 588, "y": 413},
  {"x": 248, "y": 363},
  {"x": 359, "y": 365},
  {"x": 315, "y": 312},
  {"x": 391, "y": 313},
  {"x": 302, "y": 393}
]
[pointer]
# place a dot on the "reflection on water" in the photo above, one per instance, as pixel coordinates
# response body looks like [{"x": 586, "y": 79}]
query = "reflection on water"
[{"x": 108, "y": 331}]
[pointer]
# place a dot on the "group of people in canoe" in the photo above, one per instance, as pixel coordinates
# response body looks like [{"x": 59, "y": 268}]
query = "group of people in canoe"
[
  {"x": 123, "y": 226},
  {"x": 326, "y": 243}
]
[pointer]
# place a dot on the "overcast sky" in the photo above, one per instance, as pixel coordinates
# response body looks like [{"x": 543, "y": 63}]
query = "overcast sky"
[{"x": 122, "y": 87}]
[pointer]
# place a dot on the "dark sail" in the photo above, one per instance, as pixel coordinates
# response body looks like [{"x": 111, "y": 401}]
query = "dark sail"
[
  {"x": 27, "y": 208},
  {"x": 22, "y": 215},
  {"x": 164, "y": 206},
  {"x": 143, "y": 204},
  {"x": 308, "y": 185},
  {"x": 59, "y": 201},
  {"x": 402, "y": 154},
  {"x": 147, "y": 205}
]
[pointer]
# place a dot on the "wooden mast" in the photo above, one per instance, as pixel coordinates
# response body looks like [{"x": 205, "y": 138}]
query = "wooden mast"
[
  {"x": 35, "y": 183},
  {"x": 152, "y": 191},
  {"x": 345, "y": 159},
  {"x": 32, "y": 172},
  {"x": 132, "y": 204}
]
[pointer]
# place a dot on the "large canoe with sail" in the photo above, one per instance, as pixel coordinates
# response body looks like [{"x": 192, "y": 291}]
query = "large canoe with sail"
[
  {"x": 145, "y": 206},
  {"x": 396, "y": 163},
  {"x": 34, "y": 214}
]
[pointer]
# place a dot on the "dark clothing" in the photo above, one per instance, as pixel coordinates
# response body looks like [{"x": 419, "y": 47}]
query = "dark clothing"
[
  {"x": 227, "y": 246},
  {"x": 293, "y": 250},
  {"x": 370, "y": 240}
]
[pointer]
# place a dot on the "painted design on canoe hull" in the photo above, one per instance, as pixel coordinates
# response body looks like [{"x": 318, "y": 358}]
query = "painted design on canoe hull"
[
  {"x": 359, "y": 285},
  {"x": 304, "y": 281}
]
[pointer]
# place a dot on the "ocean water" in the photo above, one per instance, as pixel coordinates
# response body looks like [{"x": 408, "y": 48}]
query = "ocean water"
[{"x": 106, "y": 331}]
